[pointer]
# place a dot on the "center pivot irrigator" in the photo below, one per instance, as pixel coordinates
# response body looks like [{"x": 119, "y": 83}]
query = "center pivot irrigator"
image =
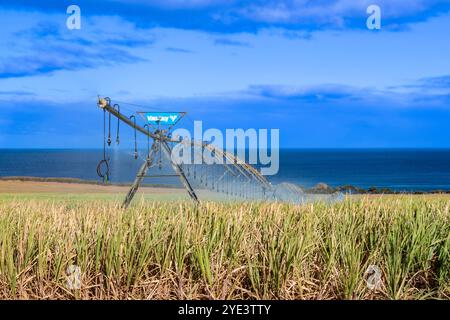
[{"x": 227, "y": 175}]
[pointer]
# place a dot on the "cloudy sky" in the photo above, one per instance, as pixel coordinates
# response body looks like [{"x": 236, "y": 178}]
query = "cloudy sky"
[{"x": 310, "y": 68}]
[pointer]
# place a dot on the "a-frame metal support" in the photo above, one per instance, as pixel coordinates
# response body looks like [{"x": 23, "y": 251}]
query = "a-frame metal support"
[
  {"x": 141, "y": 174},
  {"x": 148, "y": 163},
  {"x": 168, "y": 152}
]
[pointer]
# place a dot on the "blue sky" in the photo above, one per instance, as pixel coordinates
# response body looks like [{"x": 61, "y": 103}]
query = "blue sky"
[{"x": 310, "y": 68}]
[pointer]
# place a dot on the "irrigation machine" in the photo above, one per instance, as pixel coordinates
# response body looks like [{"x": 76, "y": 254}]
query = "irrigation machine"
[{"x": 228, "y": 176}]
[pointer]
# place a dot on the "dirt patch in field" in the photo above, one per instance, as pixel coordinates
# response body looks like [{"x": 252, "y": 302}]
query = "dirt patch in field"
[{"x": 14, "y": 186}]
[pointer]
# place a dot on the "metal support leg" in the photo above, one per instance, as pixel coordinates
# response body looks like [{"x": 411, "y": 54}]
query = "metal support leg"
[
  {"x": 141, "y": 175},
  {"x": 168, "y": 153}
]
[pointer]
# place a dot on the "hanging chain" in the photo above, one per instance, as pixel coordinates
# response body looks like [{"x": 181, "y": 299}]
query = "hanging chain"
[
  {"x": 117, "y": 107},
  {"x": 136, "y": 155},
  {"x": 105, "y": 161}
]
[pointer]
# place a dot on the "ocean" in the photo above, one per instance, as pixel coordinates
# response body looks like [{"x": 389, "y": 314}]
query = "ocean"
[{"x": 397, "y": 169}]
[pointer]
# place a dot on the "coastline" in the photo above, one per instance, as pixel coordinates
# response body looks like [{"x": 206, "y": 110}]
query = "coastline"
[{"x": 17, "y": 184}]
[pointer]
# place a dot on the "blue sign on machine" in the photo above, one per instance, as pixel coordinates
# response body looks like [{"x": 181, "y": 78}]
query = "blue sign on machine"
[{"x": 163, "y": 118}]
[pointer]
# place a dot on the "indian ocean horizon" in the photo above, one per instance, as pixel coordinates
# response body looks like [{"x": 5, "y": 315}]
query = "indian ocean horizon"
[{"x": 396, "y": 169}]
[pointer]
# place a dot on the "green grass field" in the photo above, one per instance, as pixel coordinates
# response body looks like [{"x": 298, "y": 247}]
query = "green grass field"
[{"x": 174, "y": 250}]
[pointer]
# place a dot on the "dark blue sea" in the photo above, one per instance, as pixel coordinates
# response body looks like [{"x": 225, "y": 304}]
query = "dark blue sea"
[{"x": 397, "y": 169}]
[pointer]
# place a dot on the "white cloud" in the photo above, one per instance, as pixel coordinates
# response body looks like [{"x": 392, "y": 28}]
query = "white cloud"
[
  {"x": 179, "y": 4},
  {"x": 331, "y": 11},
  {"x": 102, "y": 41}
]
